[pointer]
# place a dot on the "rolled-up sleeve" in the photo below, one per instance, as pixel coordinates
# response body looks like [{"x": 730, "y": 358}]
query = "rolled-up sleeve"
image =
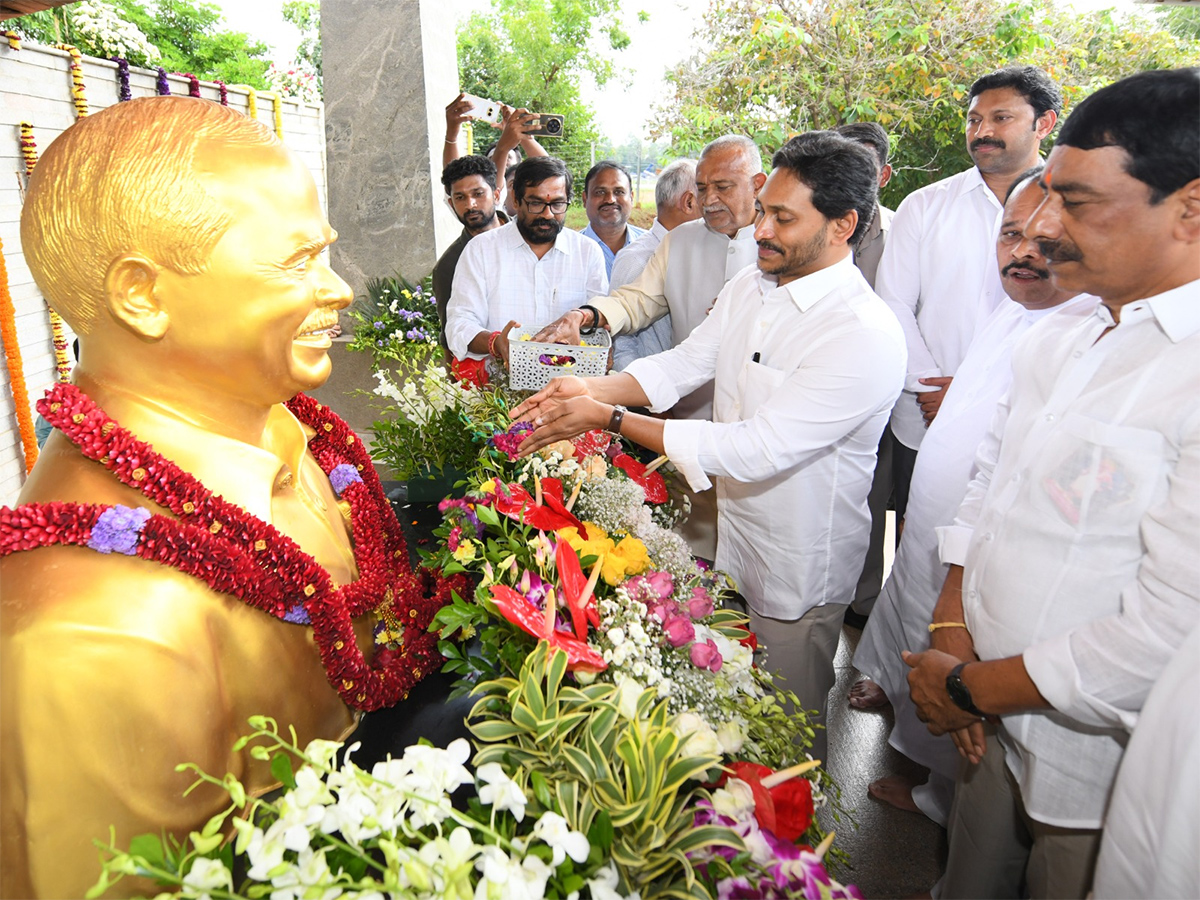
[{"x": 467, "y": 311}]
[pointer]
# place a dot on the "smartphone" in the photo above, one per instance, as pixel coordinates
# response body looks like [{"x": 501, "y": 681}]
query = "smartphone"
[
  {"x": 484, "y": 110},
  {"x": 547, "y": 125}
]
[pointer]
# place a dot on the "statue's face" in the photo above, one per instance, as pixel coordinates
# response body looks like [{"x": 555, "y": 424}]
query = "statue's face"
[{"x": 255, "y": 325}]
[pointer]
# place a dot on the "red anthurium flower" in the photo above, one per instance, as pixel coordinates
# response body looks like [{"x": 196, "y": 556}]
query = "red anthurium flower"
[
  {"x": 591, "y": 443},
  {"x": 575, "y": 586},
  {"x": 783, "y": 808},
  {"x": 652, "y": 484},
  {"x": 551, "y": 515},
  {"x": 514, "y": 607},
  {"x": 750, "y": 640}
]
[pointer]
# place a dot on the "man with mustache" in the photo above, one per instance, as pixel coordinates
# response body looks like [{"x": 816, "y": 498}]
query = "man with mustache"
[
  {"x": 608, "y": 199},
  {"x": 1073, "y": 573},
  {"x": 472, "y": 192},
  {"x": 691, "y": 266},
  {"x": 807, "y": 363},
  {"x": 527, "y": 272},
  {"x": 940, "y": 477},
  {"x": 936, "y": 272}
]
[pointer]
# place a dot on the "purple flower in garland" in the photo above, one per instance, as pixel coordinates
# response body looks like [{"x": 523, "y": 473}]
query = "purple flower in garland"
[
  {"x": 161, "y": 83},
  {"x": 117, "y": 530},
  {"x": 297, "y": 615},
  {"x": 342, "y": 476},
  {"x": 123, "y": 78}
]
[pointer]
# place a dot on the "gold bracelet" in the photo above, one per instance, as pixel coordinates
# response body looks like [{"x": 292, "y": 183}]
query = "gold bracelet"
[{"x": 934, "y": 626}]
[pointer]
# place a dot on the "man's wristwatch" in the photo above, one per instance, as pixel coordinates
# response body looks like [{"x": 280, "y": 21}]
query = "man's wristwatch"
[
  {"x": 595, "y": 319},
  {"x": 614, "y": 424},
  {"x": 959, "y": 694}
]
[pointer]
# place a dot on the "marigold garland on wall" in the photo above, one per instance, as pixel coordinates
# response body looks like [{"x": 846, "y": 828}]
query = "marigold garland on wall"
[
  {"x": 16, "y": 370},
  {"x": 62, "y": 362},
  {"x": 77, "y": 93},
  {"x": 14, "y": 39}
]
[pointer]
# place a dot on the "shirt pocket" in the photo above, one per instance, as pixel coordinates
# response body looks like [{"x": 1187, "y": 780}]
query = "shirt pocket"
[
  {"x": 759, "y": 384},
  {"x": 1099, "y": 478}
]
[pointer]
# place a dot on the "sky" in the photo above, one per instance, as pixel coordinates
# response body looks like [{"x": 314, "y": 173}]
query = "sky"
[{"x": 656, "y": 46}]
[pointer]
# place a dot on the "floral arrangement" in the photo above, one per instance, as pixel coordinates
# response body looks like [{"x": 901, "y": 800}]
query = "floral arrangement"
[
  {"x": 396, "y": 320},
  {"x": 573, "y": 794},
  {"x": 574, "y": 546},
  {"x": 294, "y": 84},
  {"x": 431, "y": 424}
]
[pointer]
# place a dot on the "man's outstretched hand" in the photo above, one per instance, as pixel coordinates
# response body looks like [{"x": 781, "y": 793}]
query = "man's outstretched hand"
[
  {"x": 564, "y": 329},
  {"x": 561, "y": 410}
]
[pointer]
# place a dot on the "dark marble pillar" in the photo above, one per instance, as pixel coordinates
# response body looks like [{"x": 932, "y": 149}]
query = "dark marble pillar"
[{"x": 390, "y": 68}]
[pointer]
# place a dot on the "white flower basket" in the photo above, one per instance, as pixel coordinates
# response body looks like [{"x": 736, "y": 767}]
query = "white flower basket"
[{"x": 527, "y": 371}]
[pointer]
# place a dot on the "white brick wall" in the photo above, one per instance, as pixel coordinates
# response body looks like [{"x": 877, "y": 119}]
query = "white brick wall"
[{"x": 35, "y": 87}]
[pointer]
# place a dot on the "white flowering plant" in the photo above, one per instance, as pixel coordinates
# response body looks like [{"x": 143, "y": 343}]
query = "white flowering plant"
[
  {"x": 575, "y": 793},
  {"x": 430, "y": 423},
  {"x": 396, "y": 320},
  {"x": 294, "y": 83}
]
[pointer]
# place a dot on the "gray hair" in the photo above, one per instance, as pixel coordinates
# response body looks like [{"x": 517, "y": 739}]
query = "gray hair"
[
  {"x": 674, "y": 181},
  {"x": 743, "y": 145}
]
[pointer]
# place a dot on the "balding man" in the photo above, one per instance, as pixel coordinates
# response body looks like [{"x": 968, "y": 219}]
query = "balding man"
[{"x": 683, "y": 278}]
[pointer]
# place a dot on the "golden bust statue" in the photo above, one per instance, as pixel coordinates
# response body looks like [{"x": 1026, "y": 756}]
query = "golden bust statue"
[{"x": 182, "y": 242}]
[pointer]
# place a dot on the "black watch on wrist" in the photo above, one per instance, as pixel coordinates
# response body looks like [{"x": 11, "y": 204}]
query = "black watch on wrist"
[
  {"x": 614, "y": 423},
  {"x": 959, "y": 694},
  {"x": 595, "y": 319}
]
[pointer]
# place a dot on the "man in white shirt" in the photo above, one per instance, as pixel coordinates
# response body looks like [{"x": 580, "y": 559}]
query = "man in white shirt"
[
  {"x": 691, "y": 266},
  {"x": 608, "y": 201},
  {"x": 1152, "y": 827},
  {"x": 866, "y": 256},
  {"x": 675, "y": 203},
  {"x": 936, "y": 272},
  {"x": 1073, "y": 573},
  {"x": 527, "y": 272},
  {"x": 944, "y": 467},
  {"x": 807, "y": 362}
]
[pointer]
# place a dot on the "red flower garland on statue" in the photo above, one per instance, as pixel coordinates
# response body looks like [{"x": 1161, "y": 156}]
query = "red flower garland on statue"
[{"x": 238, "y": 554}]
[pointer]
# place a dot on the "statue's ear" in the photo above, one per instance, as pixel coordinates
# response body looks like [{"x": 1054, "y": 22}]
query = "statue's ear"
[{"x": 129, "y": 291}]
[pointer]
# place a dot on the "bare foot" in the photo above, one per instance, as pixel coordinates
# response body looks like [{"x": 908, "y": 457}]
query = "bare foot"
[
  {"x": 866, "y": 694},
  {"x": 894, "y": 790}
]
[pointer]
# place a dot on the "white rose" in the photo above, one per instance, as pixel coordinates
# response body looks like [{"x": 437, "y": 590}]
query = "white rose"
[{"x": 731, "y": 735}]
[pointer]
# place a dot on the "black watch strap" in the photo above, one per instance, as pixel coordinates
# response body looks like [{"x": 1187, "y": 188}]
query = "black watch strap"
[
  {"x": 960, "y": 694},
  {"x": 614, "y": 423},
  {"x": 595, "y": 318}
]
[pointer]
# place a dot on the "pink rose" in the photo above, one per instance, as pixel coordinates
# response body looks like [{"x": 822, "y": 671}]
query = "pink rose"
[
  {"x": 700, "y": 604},
  {"x": 706, "y": 656},
  {"x": 679, "y": 630}
]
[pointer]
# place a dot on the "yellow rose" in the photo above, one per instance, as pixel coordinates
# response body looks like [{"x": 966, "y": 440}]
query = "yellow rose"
[{"x": 465, "y": 552}]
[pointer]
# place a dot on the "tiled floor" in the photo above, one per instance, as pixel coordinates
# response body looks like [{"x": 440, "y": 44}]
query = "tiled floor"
[{"x": 894, "y": 853}]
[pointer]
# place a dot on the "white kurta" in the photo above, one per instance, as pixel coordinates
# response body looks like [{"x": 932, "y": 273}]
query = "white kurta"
[
  {"x": 1151, "y": 845},
  {"x": 1078, "y": 538},
  {"x": 901, "y": 616},
  {"x": 805, "y": 377},
  {"x": 938, "y": 274}
]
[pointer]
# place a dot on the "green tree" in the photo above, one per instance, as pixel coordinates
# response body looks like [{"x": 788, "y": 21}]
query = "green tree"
[
  {"x": 306, "y": 15},
  {"x": 187, "y": 34},
  {"x": 534, "y": 53},
  {"x": 774, "y": 68}
]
